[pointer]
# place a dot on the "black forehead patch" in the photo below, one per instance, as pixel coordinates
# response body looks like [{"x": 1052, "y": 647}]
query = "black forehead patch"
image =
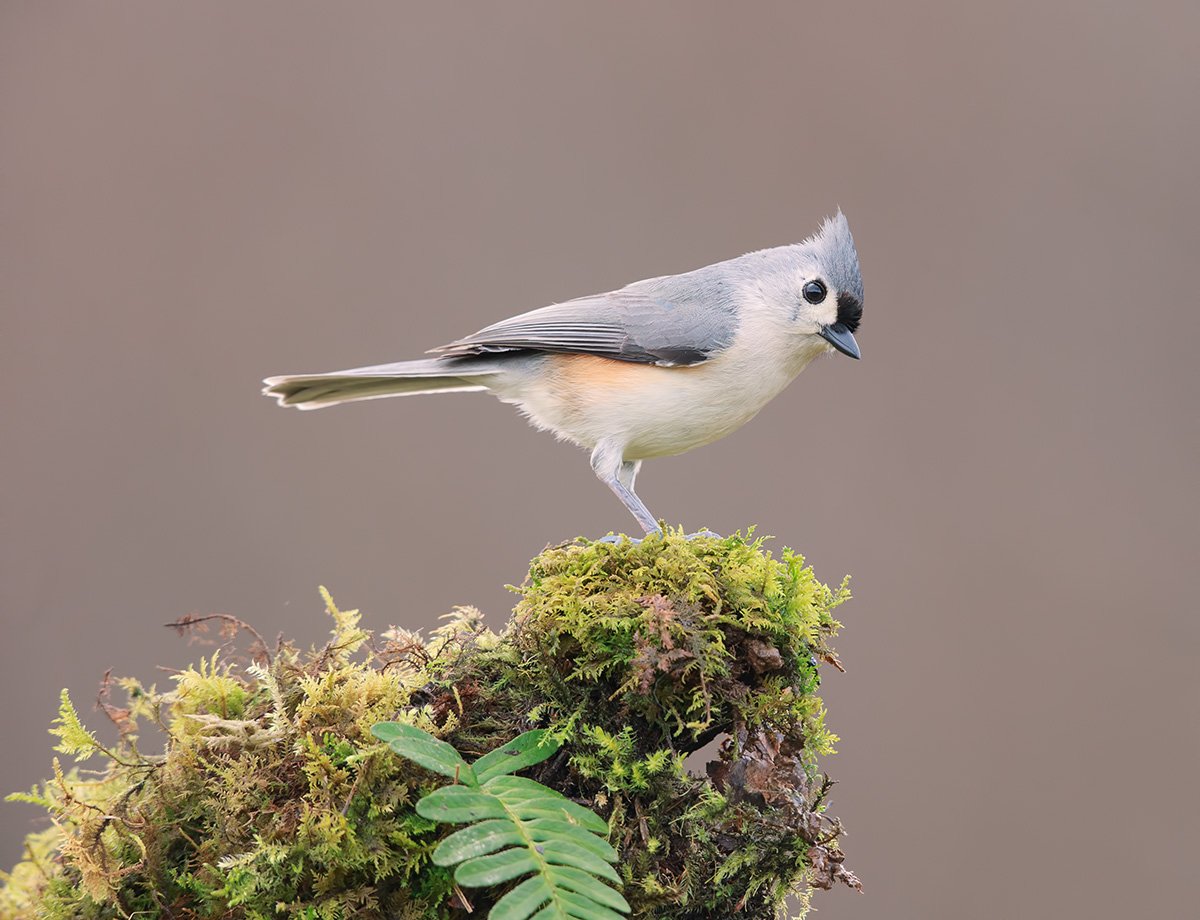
[{"x": 849, "y": 310}]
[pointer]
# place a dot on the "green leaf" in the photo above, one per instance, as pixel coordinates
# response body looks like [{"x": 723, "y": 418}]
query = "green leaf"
[
  {"x": 543, "y": 829},
  {"x": 422, "y": 748},
  {"x": 460, "y": 805},
  {"x": 584, "y": 884},
  {"x": 576, "y": 905},
  {"x": 566, "y": 853},
  {"x": 390, "y": 731},
  {"x": 477, "y": 840},
  {"x": 533, "y": 800},
  {"x": 496, "y": 868},
  {"x": 523, "y": 751},
  {"x": 522, "y": 901}
]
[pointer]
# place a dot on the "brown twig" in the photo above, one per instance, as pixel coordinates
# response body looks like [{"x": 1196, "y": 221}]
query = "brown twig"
[{"x": 230, "y": 626}]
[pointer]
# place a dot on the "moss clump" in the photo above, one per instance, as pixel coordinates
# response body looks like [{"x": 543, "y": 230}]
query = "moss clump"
[{"x": 272, "y": 798}]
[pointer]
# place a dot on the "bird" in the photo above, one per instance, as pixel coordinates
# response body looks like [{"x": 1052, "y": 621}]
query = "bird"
[{"x": 654, "y": 369}]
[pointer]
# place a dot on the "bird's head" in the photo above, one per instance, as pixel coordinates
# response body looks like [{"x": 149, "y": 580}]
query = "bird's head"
[{"x": 825, "y": 286}]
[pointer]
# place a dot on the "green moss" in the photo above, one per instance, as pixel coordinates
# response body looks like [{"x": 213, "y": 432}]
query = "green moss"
[{"x": 272, "y": 799}]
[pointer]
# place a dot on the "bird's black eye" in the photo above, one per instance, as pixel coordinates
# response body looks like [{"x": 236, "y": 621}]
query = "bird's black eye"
[{"x": 814, "y": 292}]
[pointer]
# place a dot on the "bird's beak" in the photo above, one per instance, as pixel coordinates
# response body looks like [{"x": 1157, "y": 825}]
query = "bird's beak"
[{"x": 841, "y": 338}]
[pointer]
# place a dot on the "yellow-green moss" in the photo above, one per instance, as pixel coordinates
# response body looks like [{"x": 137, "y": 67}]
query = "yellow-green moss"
[{"x": 273, "y": 800}]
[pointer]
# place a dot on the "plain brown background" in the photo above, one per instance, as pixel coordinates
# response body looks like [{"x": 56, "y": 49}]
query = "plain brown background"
[{"x": 197, "y": 195}]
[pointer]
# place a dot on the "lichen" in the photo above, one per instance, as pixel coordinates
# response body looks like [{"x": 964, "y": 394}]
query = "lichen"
[{"x": 272, "y": 799}]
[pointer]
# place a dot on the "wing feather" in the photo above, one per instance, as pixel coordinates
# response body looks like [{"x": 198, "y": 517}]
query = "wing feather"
[{"x": 679, "y": 320}]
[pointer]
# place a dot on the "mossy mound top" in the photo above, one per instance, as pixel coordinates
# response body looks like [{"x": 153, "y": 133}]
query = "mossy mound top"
[{"x": 272, "y": 799}]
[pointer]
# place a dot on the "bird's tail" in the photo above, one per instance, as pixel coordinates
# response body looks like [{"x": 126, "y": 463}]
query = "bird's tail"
[{"x": 405, "y": 378}]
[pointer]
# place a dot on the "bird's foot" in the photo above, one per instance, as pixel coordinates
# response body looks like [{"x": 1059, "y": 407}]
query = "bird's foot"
[{"x": 615, "y": 538}]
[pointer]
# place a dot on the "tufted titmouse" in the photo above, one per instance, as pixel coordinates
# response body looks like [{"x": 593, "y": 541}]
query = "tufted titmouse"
[{"x": 653, "y": 369}]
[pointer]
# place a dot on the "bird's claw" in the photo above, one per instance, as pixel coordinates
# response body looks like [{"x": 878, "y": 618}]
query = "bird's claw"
[{"x": 614, "y": 539}]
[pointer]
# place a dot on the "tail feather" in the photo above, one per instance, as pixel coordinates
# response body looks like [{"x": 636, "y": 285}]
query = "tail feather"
[{"x": 406, "y": 378}]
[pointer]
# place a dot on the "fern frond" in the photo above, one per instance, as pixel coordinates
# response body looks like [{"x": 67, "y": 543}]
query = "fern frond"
[{"x": 517, "y": 827}]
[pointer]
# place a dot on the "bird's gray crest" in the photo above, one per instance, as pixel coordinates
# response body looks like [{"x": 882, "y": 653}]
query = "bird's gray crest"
[
  {"x": 829, "y": 253},
  {"x": 834, "y": 247}
]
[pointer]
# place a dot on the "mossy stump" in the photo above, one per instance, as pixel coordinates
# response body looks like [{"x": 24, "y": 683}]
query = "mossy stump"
[{"x": 272, "y": 799}]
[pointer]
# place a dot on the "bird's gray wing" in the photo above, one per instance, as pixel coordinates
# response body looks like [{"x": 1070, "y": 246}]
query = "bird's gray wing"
[{"x": 672, "y": 321}]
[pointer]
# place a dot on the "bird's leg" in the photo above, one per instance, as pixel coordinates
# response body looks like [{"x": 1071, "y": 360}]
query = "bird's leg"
[
  {"x": 618, "y": 474},
  {"x": 628, "y": 473}
]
